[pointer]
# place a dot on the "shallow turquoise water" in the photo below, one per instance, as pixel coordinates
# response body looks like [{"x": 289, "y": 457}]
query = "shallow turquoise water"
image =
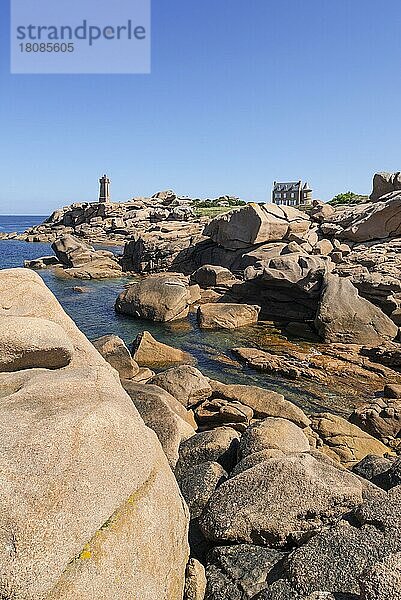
[{"x": 93, "y": 312}]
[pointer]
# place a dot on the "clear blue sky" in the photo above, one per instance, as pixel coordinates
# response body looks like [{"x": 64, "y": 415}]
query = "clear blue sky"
[{"x": 241, "y": 93}]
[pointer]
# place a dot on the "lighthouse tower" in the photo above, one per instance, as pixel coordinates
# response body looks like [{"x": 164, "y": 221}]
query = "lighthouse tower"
[{"x": 104, "y": 195}]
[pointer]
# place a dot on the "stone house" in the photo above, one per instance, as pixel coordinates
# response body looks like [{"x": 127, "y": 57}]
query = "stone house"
[{"x": 292, "y": 193}]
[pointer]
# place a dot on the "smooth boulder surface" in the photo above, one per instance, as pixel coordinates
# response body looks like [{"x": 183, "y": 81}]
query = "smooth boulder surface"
[
  {"x": 273, "y": 434},
  {"x": 185, "y": 383},
  {"x": 27, "y": 343},
  {"x": 148, "y": 352},
  {"x": 85, "y": 484},
  {"x": 344, "y": 317},
  {"x": 304, "y": 495},
  {"x": 160, "y": 298},
  {"x": 227, "y": 316},
  {"x": 212, "y": 276},
  {"x": 114, "y": 350},
  {"x": 255, "y": 224},
  {"x": 164, "y": 414}
]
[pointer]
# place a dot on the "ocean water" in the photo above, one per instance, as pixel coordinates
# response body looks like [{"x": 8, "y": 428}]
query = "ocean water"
[
  {"x": 93, "y": 312},
  {"x": 19, "y": 224}
]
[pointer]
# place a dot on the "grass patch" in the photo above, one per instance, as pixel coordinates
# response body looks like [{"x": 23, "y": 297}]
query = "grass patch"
[{"x": 213, "y": 211}]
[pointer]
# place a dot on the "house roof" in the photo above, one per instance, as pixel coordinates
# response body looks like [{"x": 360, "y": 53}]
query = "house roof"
[{"x": 289, "y": 186}]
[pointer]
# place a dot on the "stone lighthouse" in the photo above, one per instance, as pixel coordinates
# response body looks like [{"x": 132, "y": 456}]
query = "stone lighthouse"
[{"x": 104, "y": 195}]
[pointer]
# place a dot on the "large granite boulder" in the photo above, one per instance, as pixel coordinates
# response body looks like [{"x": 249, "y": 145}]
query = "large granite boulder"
[
  {"x": 304, "y": 494},
  {"x": 212, "y": 276},
  {"x": 88, "y": 502},
  {"x": 71, "y": 251},
  {"x": 149, "y": 352},
  {"x": 344, "y": 317},
  {"x": 114, "y": 350},
  {"x": 164, "y": 414},
  {"x": 158, "y": 298},
  {"x": 227, "y": 316},
  {"x": 186, "y": 383},
  {"x": 286, "y": 287},
  {"x": 344, "y": 441},
  {"x": 219, "y": 445},
  {"x": 273, "y": 434},
  {"x": 198, "y": 483},
  {"x": 385, "y": 183},
  {"x": 256, "y": 224},
  {"x": 375, "y": 221}
]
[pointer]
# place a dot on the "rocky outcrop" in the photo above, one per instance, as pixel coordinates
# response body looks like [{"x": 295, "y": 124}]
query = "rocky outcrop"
[
  {"x": 344, "y": 317},
  {"x": 287, "y": 287},
  {"x": 83, "y": 261},
  {"x": 321, "y": 211},
  {"x": 344, "y": 441},
  {"x": 374, "y": 221},
  {"x": 77, "y": 513},
  {"x": 375, "y": 270},
  {"x": 148, "y": 352},
  {"x": 385, "y": 183},
  {"x": 162, "y": 247},
  {"x": 256, "y": 224},
  {"x": 380, "y": 418},
  {"x": 227, "y": 316},
  {"x": 157, "y": 298}
]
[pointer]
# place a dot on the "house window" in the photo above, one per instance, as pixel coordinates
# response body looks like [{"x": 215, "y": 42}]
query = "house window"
[{"x": 293, "y": 195}]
